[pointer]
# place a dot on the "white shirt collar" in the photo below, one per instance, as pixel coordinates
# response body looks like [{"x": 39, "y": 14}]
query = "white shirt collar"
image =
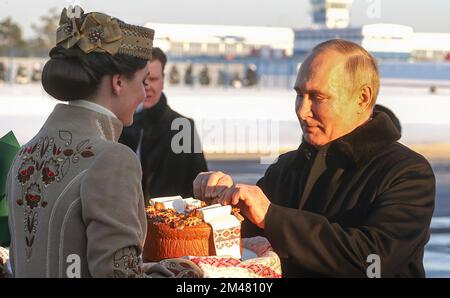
[{"x": 92, "y": 106}]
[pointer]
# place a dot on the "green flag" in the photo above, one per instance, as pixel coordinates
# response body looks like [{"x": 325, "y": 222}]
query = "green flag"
[{"x": 8, "y": 150}]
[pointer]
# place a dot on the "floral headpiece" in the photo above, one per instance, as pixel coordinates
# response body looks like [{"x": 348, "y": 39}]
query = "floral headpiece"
[{"x": 98, "y": 32}]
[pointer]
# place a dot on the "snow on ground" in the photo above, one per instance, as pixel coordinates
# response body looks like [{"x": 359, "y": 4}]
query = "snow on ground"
[{"x": 425, "y": 117}]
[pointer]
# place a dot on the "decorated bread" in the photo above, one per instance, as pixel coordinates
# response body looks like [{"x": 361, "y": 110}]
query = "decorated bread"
[{"x": 187, "y": 227}]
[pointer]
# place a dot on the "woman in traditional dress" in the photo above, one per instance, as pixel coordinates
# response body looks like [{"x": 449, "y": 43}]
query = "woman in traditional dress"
[{"x": 75, "y": 198}]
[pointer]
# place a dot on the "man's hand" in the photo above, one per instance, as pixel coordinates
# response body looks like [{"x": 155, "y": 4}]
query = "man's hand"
[
  {"x": 210, "y": 185},
  {"x": 250, "y": 199}
]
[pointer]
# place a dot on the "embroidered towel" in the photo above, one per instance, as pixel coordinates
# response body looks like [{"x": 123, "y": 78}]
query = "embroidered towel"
[{"x": 226, "y": 230}]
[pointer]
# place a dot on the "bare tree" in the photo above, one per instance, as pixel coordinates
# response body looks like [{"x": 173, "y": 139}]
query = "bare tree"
[
  {"x": 45, "y": 31},
  {"x": 10, "y": 34}
]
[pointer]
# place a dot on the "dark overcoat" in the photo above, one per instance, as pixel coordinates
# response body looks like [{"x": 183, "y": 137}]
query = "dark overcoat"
[
  {"x": 164, "y": 172},
  {"x": 364, "y": 194}
]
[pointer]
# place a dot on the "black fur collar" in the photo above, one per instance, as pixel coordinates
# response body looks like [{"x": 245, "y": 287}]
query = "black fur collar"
[{"x": 362, "y": 144}]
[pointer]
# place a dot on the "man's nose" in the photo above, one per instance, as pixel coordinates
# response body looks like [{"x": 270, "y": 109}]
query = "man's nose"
[{"x": 304, "y": 107}]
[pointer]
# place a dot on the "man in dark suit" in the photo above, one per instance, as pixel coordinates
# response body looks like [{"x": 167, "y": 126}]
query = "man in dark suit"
[
  {"x": 166, "y": 170},
  {"x": 350, "y": 201}
]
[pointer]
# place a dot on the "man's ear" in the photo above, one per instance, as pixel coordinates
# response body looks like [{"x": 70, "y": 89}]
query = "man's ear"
[
  {"x": 117, "y": 84},
  {"x": 365, "y": 98}
]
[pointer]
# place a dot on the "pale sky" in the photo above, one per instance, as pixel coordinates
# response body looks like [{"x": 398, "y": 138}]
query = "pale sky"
[{"x": 422, "y": 15}]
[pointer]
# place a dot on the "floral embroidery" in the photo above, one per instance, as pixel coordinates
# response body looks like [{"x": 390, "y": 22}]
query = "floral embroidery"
[
  {"x": 42, "y": 164},
  {"x": 26, "y": 170},
  {"x": 33, "y": 196},
  {"x": 127, "y": 264},
  {"x": 50, "y": 171}
]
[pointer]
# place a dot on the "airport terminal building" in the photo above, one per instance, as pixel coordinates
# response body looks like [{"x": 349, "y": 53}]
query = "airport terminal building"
[
  {"x": 331, "y": 19},
  {"x": 387, "y": 42}
]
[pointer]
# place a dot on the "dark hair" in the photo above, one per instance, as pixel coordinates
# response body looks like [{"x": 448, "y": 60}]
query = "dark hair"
[
  {"x": 158, "y": 54},
  {"x": 71, "y": 74}
]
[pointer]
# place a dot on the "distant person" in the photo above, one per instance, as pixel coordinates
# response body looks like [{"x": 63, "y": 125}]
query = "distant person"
[
  {"x": 189, "y": 76},
  {"x": 165, "y": 173},
  {"x": 221, "y": 78},
  {"x": 2, "y": 73},
  {"x": 204, "y": 78},
  {"x": 22, "y": 75},
  {"x": 174, "y": 75},
  {"x": 36, "y": 74},
  {"x": 236, "y": 81},
  {"x": 251, "y": 77}
]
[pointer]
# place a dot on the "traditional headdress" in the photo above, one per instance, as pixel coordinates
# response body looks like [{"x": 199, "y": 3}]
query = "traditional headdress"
[{"x": 98, "y": 32}]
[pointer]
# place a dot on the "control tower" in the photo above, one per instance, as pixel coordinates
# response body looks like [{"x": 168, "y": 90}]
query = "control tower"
[{"x": 331, "y": 13}]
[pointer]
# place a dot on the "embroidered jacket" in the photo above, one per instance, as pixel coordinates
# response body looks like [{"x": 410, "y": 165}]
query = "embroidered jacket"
[{"x": 75, "y": 200}]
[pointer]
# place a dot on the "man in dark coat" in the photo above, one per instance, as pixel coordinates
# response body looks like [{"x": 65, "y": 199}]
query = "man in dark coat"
[
  {"x": 350, "y": 201},
  {"x": 166, "y": 170}
]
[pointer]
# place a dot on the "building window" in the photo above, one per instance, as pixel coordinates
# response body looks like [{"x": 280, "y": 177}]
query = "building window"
[
  {"x": 213, "y": 49},
  {"x": 195, "y": 48},
  {"x": 177, "y": 48}
]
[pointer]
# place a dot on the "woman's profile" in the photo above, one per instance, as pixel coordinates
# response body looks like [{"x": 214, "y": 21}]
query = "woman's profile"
[{"x": 75, "y": 198}]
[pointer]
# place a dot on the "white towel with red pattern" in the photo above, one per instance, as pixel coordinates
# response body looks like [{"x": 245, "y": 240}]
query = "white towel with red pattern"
[{"x": 266, "y": 264}]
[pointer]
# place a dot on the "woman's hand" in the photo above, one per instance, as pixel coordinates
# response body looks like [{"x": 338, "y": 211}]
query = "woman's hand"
[{"x": 156, "y": 270}]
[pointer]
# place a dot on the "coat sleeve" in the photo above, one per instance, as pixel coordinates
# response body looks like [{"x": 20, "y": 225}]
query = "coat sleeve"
[
  {"x": 130, "y": 136},
  {"x": 198, "y": 159},
  {"x": 194, "y": 163},
  {"x": 396, "y": 229},
  {"x": 114, "y": 215}
]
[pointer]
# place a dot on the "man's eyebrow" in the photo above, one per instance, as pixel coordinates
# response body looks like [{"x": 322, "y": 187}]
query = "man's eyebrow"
[
  {"x": 317, "y": 92},
  {"x": 311, "y": 91}
]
